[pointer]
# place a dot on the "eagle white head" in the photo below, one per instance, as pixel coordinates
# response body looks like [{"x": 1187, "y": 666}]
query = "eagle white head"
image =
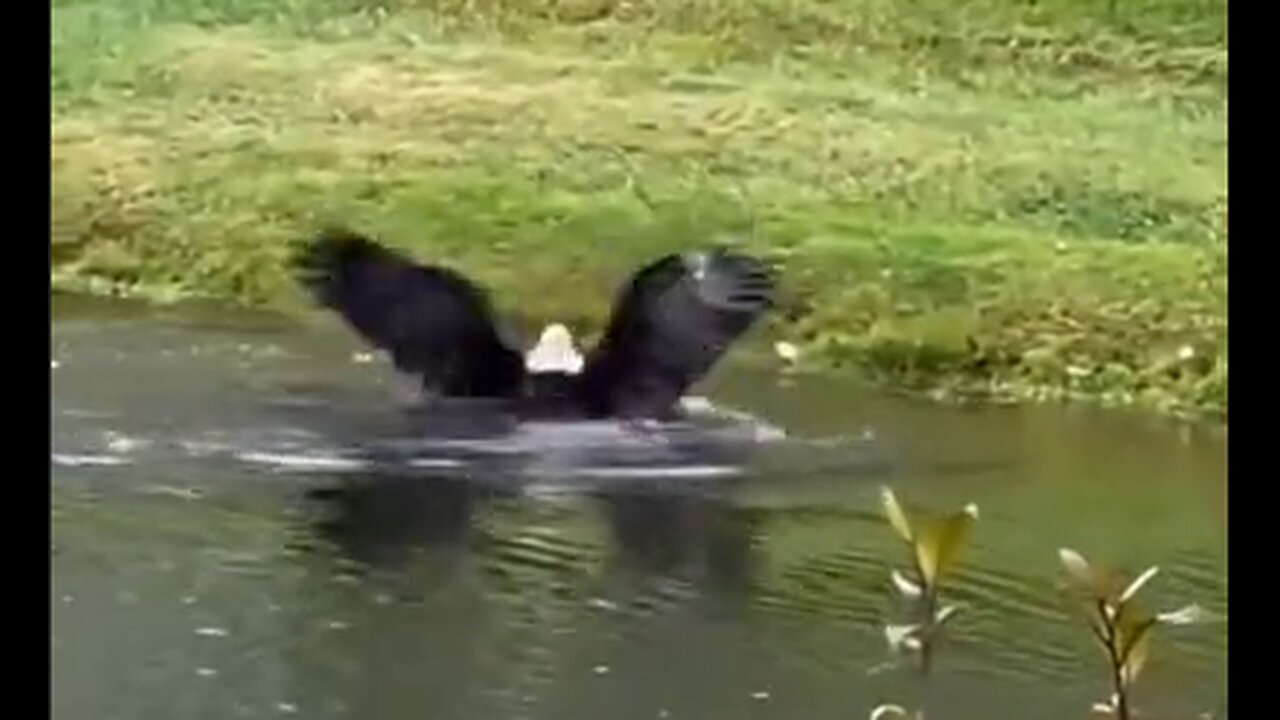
[{"x": 554, "y": 352}]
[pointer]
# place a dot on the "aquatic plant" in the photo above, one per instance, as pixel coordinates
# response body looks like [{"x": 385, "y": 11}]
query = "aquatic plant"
[
  {"x": 1122, "y": 628},
  {"x": 935, "y": 545}
]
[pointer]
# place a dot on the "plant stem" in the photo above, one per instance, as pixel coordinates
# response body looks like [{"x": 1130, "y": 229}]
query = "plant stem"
[
  {"x": 926, "y": 641},
  {"x": 1117, "y": 682},
  {"x": 1117, "y": 664}
]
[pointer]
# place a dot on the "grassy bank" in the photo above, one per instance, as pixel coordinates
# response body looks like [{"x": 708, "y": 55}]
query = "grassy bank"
[{"x": 1019, "y": 199}]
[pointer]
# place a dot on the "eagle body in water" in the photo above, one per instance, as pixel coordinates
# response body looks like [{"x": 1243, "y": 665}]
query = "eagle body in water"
[{"x": 673, "y": 320}]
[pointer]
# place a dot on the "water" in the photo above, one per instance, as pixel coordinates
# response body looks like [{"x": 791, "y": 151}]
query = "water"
[{"x": 249, "y": 521}]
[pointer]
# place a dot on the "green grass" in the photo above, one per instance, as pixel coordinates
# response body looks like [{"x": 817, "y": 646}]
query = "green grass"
[{"x": 1008, "y": 199}]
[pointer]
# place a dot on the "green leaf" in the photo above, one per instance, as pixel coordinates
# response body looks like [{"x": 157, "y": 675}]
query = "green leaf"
[
  {"x": 902, "y": 637},
  {"x": 893, "y": 511},
  {"x": 906, "y": 587},
  {"x": 1099, "y": 583},
  {"x": 1078, "y": 568},
  {"x": 1137, "y": 584},
  {"x": 1132, "y": 639},
  {"x": 1106, "y": 709},
  {"x": 939, "y": 543},
  {"x": 1135, "y": 659},
  {"x": 1188, "y": 615},
  {"x": 944, "y": 614}
]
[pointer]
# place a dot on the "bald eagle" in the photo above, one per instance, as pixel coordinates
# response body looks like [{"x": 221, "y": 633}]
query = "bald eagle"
[{"x": 674, "y": 319}]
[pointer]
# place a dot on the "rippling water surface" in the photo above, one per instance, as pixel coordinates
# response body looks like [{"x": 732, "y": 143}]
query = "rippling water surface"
[{"x": 250, "y": 520}]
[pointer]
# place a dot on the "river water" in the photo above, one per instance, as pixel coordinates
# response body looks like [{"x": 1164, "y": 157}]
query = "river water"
[{"x": 250, "y": 520}]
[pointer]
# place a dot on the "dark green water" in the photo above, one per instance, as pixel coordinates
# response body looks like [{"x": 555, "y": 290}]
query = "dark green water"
[{"x": 245, "y": 525}]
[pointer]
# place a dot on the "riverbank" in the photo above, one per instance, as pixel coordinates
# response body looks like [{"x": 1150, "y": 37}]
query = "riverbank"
[{"x": 1017, "y": 201}]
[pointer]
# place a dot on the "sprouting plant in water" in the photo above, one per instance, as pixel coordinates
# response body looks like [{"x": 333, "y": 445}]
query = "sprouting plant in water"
[
  {"x": 1121, "y": 627},
  {"x": 934, "y": 544}
]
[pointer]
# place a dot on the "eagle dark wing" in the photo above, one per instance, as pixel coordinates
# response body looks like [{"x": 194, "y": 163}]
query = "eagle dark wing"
[
  {"x": 433, "y": 322},
  {"x": 670, "y": 325}
]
